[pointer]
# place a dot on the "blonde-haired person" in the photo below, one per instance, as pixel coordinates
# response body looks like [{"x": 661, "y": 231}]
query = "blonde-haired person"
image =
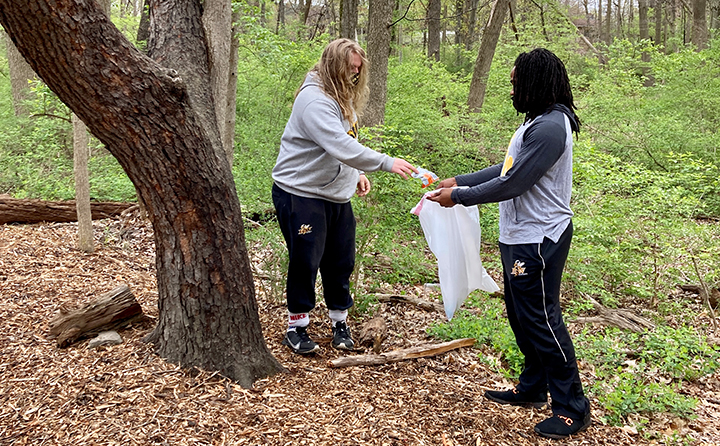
[{"x": 319, "y": 167}]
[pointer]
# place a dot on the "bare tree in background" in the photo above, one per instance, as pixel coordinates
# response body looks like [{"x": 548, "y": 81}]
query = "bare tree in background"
[
  {"x": 478, "y": 84},
  {"x": 433, "y": 26},
  {"x": 378, "y": 49}
]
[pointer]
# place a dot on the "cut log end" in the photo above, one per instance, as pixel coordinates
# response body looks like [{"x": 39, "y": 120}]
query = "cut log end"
[{"x": 115, "y": 309}]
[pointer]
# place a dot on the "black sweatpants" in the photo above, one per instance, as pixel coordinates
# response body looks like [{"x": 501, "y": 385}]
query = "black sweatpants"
[
  {"x": 319, "y": 235},
  {"x": 532, "y": 274}
]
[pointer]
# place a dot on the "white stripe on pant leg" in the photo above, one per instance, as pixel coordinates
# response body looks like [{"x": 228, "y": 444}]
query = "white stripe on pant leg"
[{"x": 547, "y": 319}]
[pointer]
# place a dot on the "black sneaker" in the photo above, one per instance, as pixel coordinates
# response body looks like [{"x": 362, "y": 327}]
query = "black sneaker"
[
  {"x": 341, "y": 337},
  {"x": 558, "y": 427},
  {"x": 516, "y": 398},
  {"x": 299, "y": 341}
]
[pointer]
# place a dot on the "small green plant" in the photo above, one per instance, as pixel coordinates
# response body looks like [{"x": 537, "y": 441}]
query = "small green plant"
[
  {"x": 269, "y": 258},
  {"x": 487, "y": 326}
]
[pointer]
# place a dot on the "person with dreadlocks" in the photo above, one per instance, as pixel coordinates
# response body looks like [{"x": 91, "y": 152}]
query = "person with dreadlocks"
[
  {"x": 533, "y": 186},
  {"x": 319, "y": 167}
]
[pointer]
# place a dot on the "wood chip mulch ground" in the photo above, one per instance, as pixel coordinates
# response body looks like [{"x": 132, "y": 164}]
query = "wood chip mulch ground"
[{"x": 127, "y": 395}]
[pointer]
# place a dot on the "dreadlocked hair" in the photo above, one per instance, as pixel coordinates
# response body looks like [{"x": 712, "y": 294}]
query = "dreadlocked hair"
[
  {"x": 335, "y": 71},
  {"x": 541, "y": 81}
]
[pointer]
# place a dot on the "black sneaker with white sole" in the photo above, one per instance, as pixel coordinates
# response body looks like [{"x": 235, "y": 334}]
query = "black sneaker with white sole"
[
  {"x": 299, "y": 342},
  {"x": 341, "y": 337}
]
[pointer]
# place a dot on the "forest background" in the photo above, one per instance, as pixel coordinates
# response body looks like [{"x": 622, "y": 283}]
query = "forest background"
[{"x": 646, "y": 188}]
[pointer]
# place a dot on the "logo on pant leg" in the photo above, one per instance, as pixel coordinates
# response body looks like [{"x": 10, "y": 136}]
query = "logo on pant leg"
[
  {"x": 304, "y": 229},
  {"x": 518, "y": 269}
]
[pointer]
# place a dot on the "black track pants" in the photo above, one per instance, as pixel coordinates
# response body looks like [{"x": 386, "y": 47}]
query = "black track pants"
[
  {"x": 319, "y": 235},
  {"x": 532, "y": 274}
]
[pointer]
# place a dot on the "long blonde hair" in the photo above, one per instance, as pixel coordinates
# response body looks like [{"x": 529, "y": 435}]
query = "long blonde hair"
[{"x": 335, "y": 71}]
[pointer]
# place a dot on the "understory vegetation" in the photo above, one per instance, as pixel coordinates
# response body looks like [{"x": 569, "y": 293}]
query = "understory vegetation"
[{"x": 646, "y": 195}]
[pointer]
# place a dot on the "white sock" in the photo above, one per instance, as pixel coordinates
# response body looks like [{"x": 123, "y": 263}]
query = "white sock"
[
  {"x": 338, "y": 316},
  {"x": 296, "y": 320}
]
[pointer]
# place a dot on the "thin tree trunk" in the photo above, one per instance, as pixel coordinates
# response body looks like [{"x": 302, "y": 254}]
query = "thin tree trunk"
[
  {"x": 699, "y": 24},
  {"x": 657, "y": 17},
  {"x": 433, "y": 26},
  {"x": 20, "y": 75},
  {"x": 378, "y": 49},
  {"x": 144, "y": 28},
  {"x": 348, "y": 18},
  {"x": 81, "y": 154},
  {"x": 280, "y": 16},
  {"x": 478, "y": 84},
  {"x": 608, "y": 22}
]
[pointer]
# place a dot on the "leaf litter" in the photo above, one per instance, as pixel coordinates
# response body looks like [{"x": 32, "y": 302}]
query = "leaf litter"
[{"x": 127, "y": 395}]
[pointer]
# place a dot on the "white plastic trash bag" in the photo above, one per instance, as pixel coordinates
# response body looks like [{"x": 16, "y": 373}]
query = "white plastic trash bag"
[{"x": 453, "y": 235}]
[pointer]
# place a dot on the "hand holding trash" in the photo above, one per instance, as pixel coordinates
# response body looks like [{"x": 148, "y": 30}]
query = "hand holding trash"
[{"x": 442, "y": 194}]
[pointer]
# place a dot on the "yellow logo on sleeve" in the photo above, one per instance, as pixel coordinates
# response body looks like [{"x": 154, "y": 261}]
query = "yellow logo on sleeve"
[{"x": 353, "y": 130}]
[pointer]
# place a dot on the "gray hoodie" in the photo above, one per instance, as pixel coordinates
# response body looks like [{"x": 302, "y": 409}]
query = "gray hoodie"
[{"x": 319, "y": 157}]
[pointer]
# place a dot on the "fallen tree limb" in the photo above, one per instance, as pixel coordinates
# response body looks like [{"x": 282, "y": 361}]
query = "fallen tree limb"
[
  {"x": 110, "y": 311},
  {"x": 407, "y": 299},
  {"x": 618, "y": 318},
  {"x": 421, "y": 351},
  {"x": 13, "y": 210}
]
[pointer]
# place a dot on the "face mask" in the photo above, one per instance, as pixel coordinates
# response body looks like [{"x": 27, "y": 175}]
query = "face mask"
[{"x": 355, "y": 78}]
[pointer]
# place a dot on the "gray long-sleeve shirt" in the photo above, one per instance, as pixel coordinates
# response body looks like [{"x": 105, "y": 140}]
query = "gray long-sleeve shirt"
[
  {"x": 533, "y": 184},
  {"x": 319, "y": 155}
]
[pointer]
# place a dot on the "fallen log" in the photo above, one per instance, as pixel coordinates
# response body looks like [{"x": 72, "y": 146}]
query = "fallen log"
[
  {"x": 14, "y": 210},
  {"x": 618, "y": 318},
  {"x": 110, "y": 311},
  {"x": 421, "y": 351}
]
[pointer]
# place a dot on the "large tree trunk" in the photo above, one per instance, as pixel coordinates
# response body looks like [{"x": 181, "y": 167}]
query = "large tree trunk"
[
  {"x": 433, "y": 25},
  {"x": 379, "y": 17},
  {"x": 20, "y": 74},
  {"x": 160, "y": 125},
  {"x": 478, "y": 84}
]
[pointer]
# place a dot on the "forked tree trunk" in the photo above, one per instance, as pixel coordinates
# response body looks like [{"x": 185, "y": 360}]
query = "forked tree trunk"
[{"x": 160, "y": 126}]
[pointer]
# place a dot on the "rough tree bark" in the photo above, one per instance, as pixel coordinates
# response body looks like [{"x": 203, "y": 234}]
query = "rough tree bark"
[
  {"x": 161, "y": 127},
  {"x": 478, "y": 84},
  {"x": 378, "y": 49},
  {"x": 348, "y": 18}
]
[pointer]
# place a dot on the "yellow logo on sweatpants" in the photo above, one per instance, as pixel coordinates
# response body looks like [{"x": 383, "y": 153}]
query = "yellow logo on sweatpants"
[
  {"x": 518, "y": 269},
  {"x": 305, "y": 229}
]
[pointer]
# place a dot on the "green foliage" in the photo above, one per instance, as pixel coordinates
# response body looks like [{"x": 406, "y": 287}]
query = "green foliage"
[
  {"x": 642, "y": 373},
  {"x": 487, "y": 326},
  {"x": 637, "y": 254}
]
